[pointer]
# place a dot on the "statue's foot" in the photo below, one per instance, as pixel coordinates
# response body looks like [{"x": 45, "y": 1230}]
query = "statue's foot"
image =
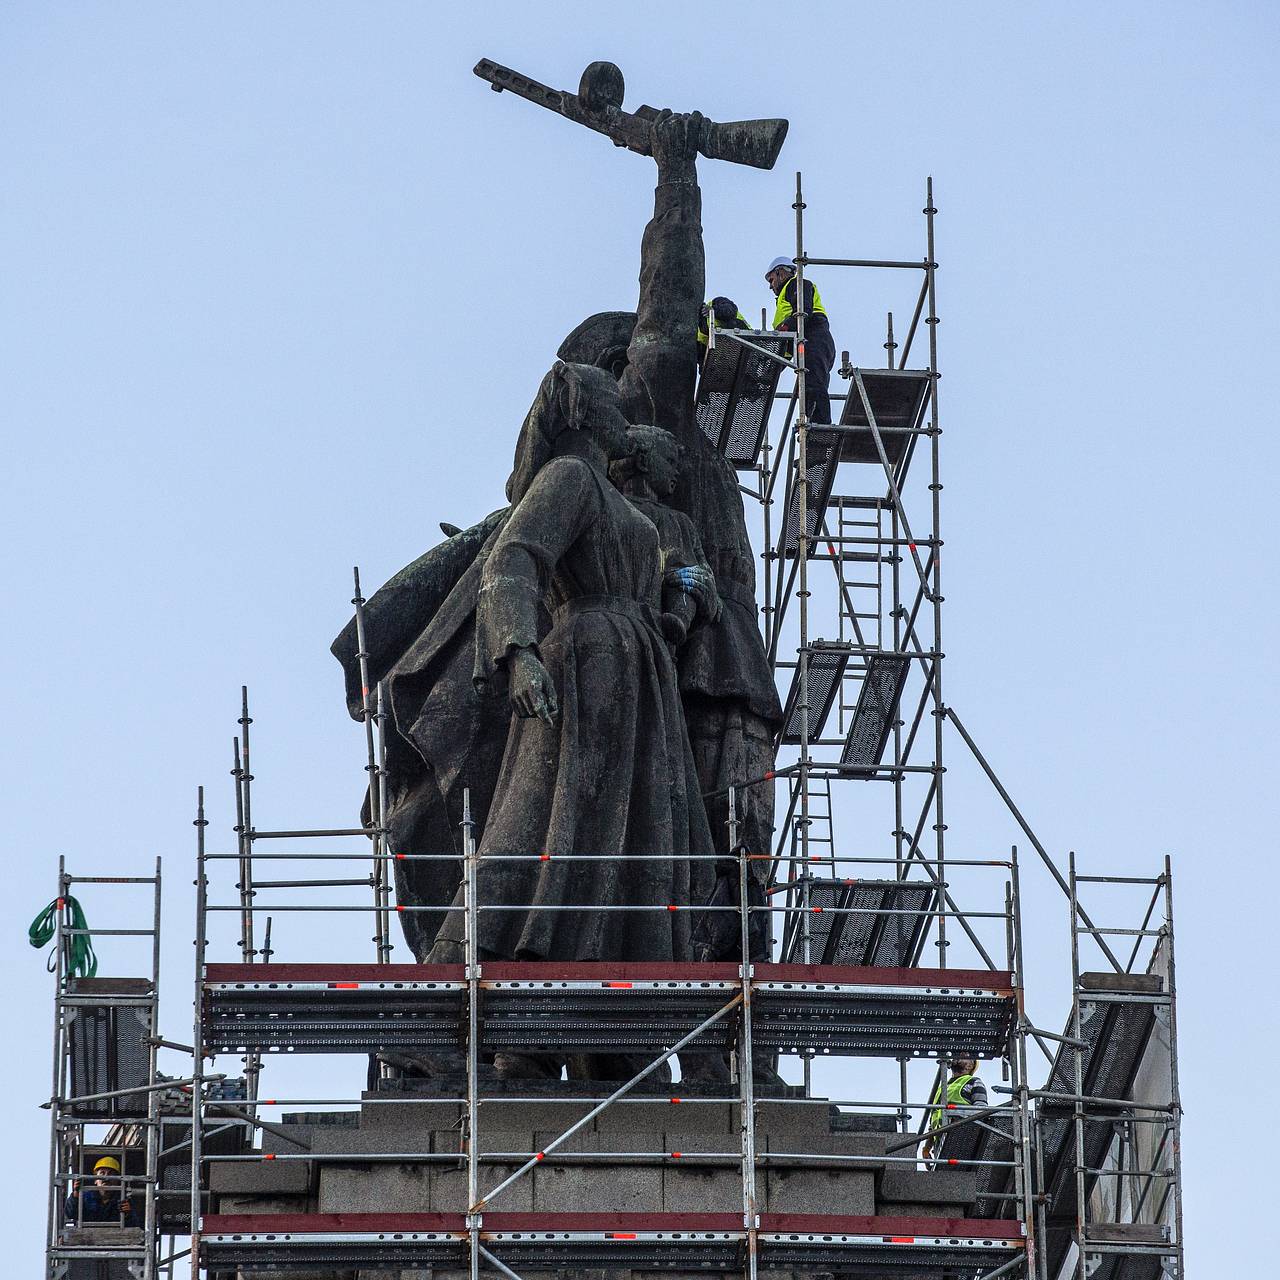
[
  {"x": 527, "y": 1066},
  {"x": 417, "y": 1064},
  {"x": 705, "y": 1068},
  {"x": 765, "y": 1075}
]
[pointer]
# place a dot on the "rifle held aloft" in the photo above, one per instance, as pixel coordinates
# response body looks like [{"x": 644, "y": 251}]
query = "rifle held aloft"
[{"x": 598, "y": 106}]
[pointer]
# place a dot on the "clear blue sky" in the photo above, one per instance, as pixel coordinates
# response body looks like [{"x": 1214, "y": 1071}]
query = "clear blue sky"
[{"x": 279, "y": 282}]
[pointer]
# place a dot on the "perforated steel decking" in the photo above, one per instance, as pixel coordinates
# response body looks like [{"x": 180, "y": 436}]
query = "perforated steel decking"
[
  {"x": 592, "y": 1007},
  {"x": 873, "y": 717},
  {"x": 1116, "y": 1026},
  {"x": 898, "y": 398},
  {"x": 827, "y": 663},
  {"x": 821, "y": 459},
  {"x": 660, "y": 1242},
  {"x": 735, "y": 393}
]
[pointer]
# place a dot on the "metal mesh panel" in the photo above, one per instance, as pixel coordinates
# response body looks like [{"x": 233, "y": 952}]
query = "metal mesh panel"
[
  {"x": 103, "y": 1269},
  {"x": 874, "y": 715},
  {"x": 897, "y": 399},
  {"x": 108, "y": 1050},
  {"x": 820, "y": 453},
  {"x": 735, "y": 395},
  {"x": 1116, "y": 1032},
  {"x": 875, "y": 933},
  {"x": 826, "y": 669}
]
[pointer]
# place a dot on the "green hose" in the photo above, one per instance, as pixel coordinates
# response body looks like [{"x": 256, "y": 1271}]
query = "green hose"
[{"x": 81, "y": 960}]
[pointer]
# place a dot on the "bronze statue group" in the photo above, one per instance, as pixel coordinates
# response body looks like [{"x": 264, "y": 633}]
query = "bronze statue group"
[{"x": 586, "y": 663}]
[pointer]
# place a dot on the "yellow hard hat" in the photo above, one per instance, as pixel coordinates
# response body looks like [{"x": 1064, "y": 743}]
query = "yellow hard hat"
[{"x": 107, "y": 1162}]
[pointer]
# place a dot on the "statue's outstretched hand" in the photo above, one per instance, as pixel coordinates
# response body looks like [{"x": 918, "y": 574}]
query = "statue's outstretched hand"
[
  {"x": 532, "y": 691},
  {"x": 675, "y": 138},
  {"x": 699, "y": 582}
]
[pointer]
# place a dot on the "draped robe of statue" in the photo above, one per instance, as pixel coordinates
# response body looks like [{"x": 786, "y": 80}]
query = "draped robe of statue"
[
  {"x": 443, "y": 736},
  {"x": 614, "y": 774}
]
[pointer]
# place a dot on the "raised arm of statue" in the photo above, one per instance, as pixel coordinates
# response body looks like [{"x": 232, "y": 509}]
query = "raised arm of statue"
[{"x": 662, "y": 358}]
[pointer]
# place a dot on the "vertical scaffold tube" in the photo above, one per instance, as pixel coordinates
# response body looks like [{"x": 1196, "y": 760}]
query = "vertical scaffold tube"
[
  {"x": 1175, "y": 1089},
  {"x": 746, "y": 1051},
  {"x": 470, "y": 886},
  {"x": 56, "y": 1092},
  {"x": 935, "y": 588},
  {"x": 153, "y": 1094},
  {"x": 244, "y": 809},
  {"x": 371, "y": 719},
  {"x": 802, "y": 570},
  {"x": 197, "y": 1036},
  {"x": 381, "y": 874},
  {"x": 1026, "y": 1183},
  {"x": 1077, "y": 1051}
]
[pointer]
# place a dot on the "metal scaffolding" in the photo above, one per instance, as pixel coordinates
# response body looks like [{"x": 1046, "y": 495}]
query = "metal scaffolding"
[
  {"x": 105, "y": 1100},
  {"x": 651, "y": 1009},
  {"x": 855, "y": 554}
]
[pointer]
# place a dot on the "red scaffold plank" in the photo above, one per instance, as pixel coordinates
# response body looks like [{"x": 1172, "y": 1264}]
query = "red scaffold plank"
[
  {"x": 230, "y": 1224},
  {"x": 842, "y": 1224},
  {"x": 334, "y": 973},
  {"x": 994, "y": 980},
  {"x": 605, "y": 971}
]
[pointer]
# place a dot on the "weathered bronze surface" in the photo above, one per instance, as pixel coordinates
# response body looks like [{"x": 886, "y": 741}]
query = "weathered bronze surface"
[{"x": 589, "y": 665}]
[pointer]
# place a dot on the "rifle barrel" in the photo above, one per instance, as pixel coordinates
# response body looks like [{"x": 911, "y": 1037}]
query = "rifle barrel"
[{"x": 501, "y": 78}]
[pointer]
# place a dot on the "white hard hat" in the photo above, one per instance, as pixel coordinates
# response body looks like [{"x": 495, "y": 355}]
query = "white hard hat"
[{"x": 781, "y": 262}]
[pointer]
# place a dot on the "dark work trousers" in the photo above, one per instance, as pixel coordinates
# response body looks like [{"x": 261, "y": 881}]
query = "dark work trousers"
[{"x": 819, "y": 356}]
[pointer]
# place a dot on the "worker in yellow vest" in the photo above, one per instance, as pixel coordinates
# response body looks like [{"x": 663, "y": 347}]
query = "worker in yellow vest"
[
  {"x": 819, "y": 345},
  {"x": 720, "y": 313},
  {"x": 963, "y": 1089}
]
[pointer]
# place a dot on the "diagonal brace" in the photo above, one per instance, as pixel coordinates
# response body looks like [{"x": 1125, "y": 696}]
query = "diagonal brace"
[
  {"x": 1031, "y": 835},
  {"x": 613, "y": 1097}
]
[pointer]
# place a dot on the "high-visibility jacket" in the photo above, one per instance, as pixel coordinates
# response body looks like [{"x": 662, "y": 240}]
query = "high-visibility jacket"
[
  {"x": 954, "y": 1096},
  {"x": 708, "y": 311},
  {"x": 784, "y": 312}
]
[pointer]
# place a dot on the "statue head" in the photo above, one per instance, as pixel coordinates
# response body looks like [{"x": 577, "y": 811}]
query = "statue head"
[
  {"x": 576, "y": 403},
  {"x": 651, "y": 465}
]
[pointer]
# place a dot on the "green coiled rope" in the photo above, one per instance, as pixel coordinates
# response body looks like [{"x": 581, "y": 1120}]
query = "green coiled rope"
[{"x": 81, "y": 960}]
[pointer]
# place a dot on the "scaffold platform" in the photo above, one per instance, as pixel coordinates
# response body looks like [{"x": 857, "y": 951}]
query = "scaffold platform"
[
  {"x": 585, "y": 1007},
  {"x": 736, "y": 389},
  {"x": 877, "y": 1246},
  {"x": 827, "y": 662},
  {"x": 874, "y": 714},
  {"x": 861, "y": 922},
  {"x": 898, "y": 398},
  {"x": 1115, "y": 1027}
]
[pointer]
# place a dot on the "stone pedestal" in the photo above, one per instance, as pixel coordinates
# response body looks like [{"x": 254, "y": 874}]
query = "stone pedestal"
[{"x": 654, "y": 1155}]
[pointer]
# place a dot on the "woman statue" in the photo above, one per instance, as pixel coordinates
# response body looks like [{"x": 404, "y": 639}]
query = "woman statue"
[{"x": 597, "y": 760}]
